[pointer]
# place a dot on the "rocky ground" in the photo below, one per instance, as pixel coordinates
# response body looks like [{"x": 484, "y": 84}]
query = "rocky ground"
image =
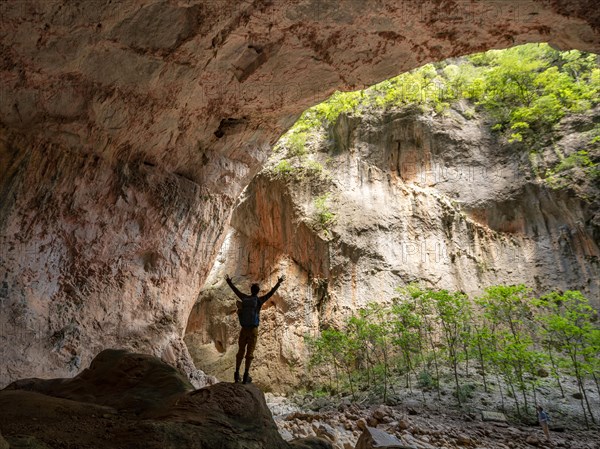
[
  {"x": 423, "y": 420},
  {"x": 424, "y": 427}
]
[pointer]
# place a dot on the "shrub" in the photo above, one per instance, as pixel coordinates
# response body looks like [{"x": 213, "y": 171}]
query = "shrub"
[
  {"x": 315, "y": 167},
  {"x": 426, "y": 380},
  {"x": 296, "y": 144},
  {"x": 465, "y": 392},
  {"x": 324, "y": 216},
  {"x": 283, "y": 167}
]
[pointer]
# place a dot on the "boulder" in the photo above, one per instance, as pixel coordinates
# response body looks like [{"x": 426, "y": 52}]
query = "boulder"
[
  {"x": 533, "y": 440},
  {"x": 383, "y": 414},
  {"x": 493, "y": 416},
  {"x": 116, "y": 378},
  {"x": 463, "y": 440},
  {"x": 138, "y": 401},
  {"x": 373, "y": 438},
  {"x": 325, "y": 431},
  {"x": 403, "y": 424},
  {"x": 361, "y": 424}
]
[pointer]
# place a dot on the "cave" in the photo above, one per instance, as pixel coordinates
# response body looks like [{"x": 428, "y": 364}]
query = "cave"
[{"x": 128, "y": 131}]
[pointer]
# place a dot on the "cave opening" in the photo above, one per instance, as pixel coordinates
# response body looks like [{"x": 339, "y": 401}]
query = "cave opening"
[
  {"x": 128, "y": 131},
  {"x": 461, "y": 175}
]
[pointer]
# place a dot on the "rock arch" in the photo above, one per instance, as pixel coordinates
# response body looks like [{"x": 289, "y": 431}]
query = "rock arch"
[{"x": 128, "y": 130}]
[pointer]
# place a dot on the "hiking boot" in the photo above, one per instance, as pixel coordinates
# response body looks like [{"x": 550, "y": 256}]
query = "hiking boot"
[
  {"x": 247, "y": 378},
  {"x": 236, "y": 377}
]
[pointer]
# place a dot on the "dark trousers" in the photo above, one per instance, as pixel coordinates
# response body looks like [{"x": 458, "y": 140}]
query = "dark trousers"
[{"x": 246, "y": 344}]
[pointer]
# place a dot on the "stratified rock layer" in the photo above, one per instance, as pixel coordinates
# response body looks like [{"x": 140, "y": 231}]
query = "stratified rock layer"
[
  {"x": 128, "y": 129},
  {"x": 135, "y": 401}
]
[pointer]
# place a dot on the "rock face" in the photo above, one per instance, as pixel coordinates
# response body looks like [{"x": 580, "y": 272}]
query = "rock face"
[
  {"x": 136, "y": 401},
  {"x": 416, "y": 198},
  {"x": 128, "y": 129}
]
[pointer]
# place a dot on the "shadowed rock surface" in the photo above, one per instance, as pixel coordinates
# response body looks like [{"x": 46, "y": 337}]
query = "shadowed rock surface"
[
  {"x": 137, "y": 401},
  {"x": 118, "y": 379}
]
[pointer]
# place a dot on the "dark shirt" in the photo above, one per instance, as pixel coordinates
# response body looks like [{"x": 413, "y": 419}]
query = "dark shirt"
[{"x": 253, "y": 301}]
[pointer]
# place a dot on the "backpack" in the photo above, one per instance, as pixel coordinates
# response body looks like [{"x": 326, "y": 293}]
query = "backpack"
[{"x": 248, "y": 313}]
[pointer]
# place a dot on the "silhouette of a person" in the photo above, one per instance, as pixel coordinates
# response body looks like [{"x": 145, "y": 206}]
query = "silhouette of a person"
[{"x": 249, "y": 316}]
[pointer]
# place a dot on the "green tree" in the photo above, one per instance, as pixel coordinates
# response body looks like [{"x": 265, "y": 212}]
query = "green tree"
[
  {"x": 373, "y": 328},
  {"x": 337, "y": 349},
  {"x": 407, "y": 336},
  {"x": 569, "y": 321},
  {"x": 425, "y": 308},
  {"x": 452, "y": 310},
  {"x": 482, "y": 340},
  {"x": 508, "y": 308},
  {"x": 592, "y": 355}
]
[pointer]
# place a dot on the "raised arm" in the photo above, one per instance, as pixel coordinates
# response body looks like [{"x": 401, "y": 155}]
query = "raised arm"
[
  {"x": 234, "y": 288},
  {"x": 266, "y": 297}
]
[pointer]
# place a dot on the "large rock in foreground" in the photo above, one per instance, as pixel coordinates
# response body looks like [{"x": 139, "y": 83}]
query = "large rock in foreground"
[{"x": 136, "y": 401}]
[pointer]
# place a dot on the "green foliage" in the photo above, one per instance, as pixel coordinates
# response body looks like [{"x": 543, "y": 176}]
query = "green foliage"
[
  {"x": 426, "y": 380},
  {"x": 336, "y": 348},
  {"x": 323, "y": 215},
  {"x": 526, "y": 90},
  {"x": 429, "y": 336},
  {"x": 314, "y": 167},
  {"x": 296, "y": 144},
  {"x": 423, "y": 86},
  {"x": 338, "y": 103},
  {"x": 299, "y": 169},
  {"x": 580, "y": 158},
  {"x": 465, "y": 392},
  {"x": 585, "y": 160},
  {"x": 508, "y": 312},
  {"x": 567, "y": 320},
  {"x": 283, "y": 167}
]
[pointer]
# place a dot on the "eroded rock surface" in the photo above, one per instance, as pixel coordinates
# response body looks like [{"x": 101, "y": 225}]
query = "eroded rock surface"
[
  {"x": 136, "y": 401},
  {"x": 128, "y": 129}
]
